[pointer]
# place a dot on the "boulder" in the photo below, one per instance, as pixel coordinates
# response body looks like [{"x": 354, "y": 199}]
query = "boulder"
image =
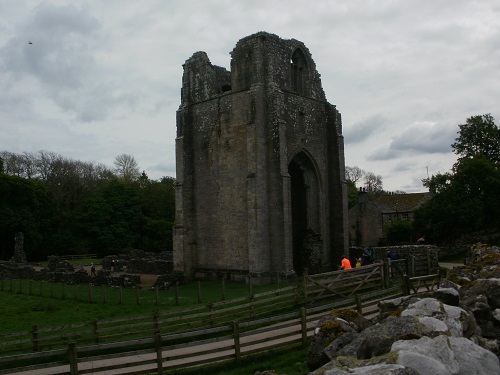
[{"x": 454, "y": 330}]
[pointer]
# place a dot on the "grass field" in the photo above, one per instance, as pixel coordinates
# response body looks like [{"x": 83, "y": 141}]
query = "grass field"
[{"x": 54, "y": 304}]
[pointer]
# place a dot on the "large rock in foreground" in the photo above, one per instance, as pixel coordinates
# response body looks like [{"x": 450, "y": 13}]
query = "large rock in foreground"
[
  {"x": 420, "y": 336},
  {"x": 454, "y": 330}
]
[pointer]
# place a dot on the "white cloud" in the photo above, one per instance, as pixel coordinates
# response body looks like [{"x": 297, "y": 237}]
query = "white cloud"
[{"x": 103, "y": 78}]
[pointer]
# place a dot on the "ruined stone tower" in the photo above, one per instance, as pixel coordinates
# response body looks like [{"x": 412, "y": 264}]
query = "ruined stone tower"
[{"x": 260, "y": 165}]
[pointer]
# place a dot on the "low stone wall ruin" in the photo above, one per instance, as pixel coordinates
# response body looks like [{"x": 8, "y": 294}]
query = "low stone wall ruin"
[{"x": 127, "y": 274}]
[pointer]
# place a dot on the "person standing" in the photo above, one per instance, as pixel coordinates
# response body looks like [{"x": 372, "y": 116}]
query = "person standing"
[{"x": 367, "y": 256}]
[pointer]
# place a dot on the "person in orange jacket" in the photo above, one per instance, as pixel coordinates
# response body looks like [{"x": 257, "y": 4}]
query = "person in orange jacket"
[{"x": 346, "y": 264}]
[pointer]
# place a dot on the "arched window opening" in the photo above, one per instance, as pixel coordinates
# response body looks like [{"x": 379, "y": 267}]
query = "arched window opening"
[
  {"x": 305, "y": 210},
  {"x": 299, "y": 69}
]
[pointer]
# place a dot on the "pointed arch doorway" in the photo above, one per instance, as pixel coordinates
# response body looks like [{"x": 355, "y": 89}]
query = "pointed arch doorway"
[{"x": 305, "y": 208}]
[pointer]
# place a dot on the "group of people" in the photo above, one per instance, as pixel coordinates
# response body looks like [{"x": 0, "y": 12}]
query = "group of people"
[{"x": 367, "y": 257}]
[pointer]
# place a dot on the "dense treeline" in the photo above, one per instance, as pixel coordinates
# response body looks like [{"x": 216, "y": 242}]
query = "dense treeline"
[
  {"x": 64, "y": 206},
  {"x": 465, "y": 200}
]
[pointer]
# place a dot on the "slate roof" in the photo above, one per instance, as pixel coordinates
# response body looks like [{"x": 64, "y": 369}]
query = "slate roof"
[{"x": 389, "y": 203}]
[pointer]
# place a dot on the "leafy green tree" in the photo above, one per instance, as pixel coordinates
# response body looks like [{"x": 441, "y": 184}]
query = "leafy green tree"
[
  {"x": 158, "y": 207},
  {"x": 465, "y": 200},
  {"x": 90, "y": 209},
  {"x": 398, "y": 232},
  {"x": 25, "y": 207},
  {"x": 478, "y": 137},
  {"x": 110, "y": 220},
  {"x": 352, "y": 194}
]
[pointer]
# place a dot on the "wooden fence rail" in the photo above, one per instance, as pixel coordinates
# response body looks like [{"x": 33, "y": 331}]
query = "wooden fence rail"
[
  {"x": 147, "y": 325},
  {"x": 224, "y": 330}
]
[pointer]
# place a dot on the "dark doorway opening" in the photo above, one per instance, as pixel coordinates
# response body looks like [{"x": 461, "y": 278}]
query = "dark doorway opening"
[{"x": 299, "y": 215}]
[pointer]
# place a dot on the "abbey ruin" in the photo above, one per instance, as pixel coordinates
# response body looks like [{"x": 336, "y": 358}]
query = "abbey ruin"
[{"x": 260, "y": 165}]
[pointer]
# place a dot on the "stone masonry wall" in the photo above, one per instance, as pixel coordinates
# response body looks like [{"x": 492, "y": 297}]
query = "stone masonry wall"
[{"x": 235, "y": 142}]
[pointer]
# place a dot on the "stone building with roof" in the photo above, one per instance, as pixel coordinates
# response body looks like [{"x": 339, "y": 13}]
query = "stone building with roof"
[{"x": 369, "y": 217}]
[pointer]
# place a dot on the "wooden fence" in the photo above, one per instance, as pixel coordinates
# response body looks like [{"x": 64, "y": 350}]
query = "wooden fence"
[
  {"x": 344, "y": 283},
  {"x": 77, "y": 257},
  {"x": 195, "y": 336}
]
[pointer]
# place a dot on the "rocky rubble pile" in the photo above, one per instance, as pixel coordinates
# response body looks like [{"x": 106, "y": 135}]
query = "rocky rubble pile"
[
  {"x": 138, "y": 261},
  {"x": 135, "y": 263},
  {"x": 454, "y": 330}
]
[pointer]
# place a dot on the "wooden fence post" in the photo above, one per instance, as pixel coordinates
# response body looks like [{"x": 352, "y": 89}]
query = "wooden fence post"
[
  {"x": 34, "y": 333},
  {"x": 250, "y": 287},
  {"x": 411, "y": 266},
  {"x": 428, "y": 261},
  {"x": 223, "y": 288},
  {"x": 96, "y": 332},
  {"x": 90, "y": 293},
  {"x": 159, "y": 359},
  {"x": 72, "y": 358},
  {"x": 236, "y": 337},
  {"x": 210, "y": 305},
  {"x": 385, "y": 274},
  {"x": 156, "y": 326},
  {"x": 305, "y": 286},
  {"x": 406, "y": 285},
  {"x": 176, "y": 293},
  {"x": 359, "y": 305},
  {"x": 156, "y": 295},
  {"x": 199, "y": 291},
  {"x": 303, "y": 325}
]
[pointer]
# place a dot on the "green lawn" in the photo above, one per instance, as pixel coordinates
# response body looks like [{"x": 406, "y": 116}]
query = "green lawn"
[
  {"x": 54, "y": 304},
  {"x": 50, "y": 305}
]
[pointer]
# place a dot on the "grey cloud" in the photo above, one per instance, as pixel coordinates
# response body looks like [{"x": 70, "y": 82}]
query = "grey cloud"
[
  {"x": 62, "y": 64},
  {"x": 363, "y": 129},
  {"x": 417, "y": 139}
]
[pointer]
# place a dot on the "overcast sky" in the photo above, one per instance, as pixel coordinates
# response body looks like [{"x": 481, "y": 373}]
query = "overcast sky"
[{"x": 103, "y": 77}]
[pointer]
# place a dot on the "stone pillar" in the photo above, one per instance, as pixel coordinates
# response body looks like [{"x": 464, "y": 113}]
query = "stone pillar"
[{"x": 19, "y": 255}]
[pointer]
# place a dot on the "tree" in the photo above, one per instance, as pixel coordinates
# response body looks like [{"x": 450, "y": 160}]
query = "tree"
[
  {"x": 352, "y": 194},
  {"x": 398, "y": 232},
  {"x": 110, "y": 220},
  {"x": 25, "y": 207},
  {"x": 126, "y": 168},
  {"x": 354, "y": 174},
  {"x": 478, "y": 137},
  {"x": 373, "y": 183},
  {"x": 466, "y": 199}
]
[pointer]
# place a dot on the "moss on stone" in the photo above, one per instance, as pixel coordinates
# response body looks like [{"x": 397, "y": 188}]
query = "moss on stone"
[
  {"x": 331, "y": 328},
  {"x": 347, "y": 314}
]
